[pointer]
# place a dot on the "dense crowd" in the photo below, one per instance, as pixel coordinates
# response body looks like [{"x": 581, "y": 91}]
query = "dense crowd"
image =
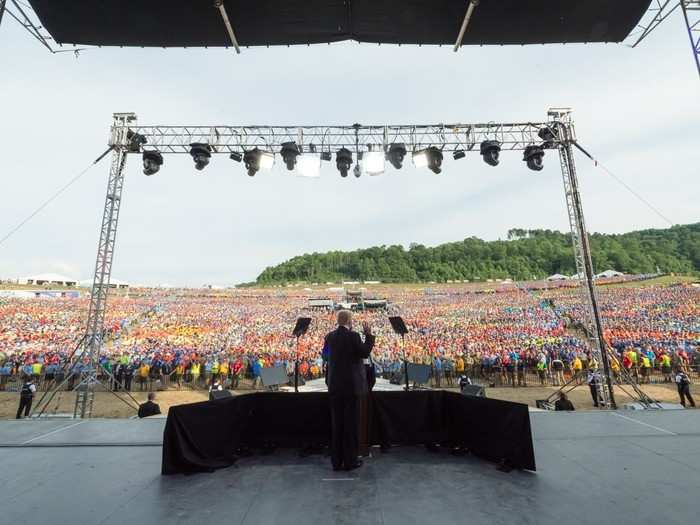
[{"x": 158, "y": 339}]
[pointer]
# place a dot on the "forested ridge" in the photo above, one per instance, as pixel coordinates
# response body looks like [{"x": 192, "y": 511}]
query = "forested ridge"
[{"x": 526, "y": 254}]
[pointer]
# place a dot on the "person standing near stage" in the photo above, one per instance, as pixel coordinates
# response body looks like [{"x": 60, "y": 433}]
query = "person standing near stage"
[
  {"x": 347, "y": 382},
  {"x": 26, "y": 396},
  {"x": 683, "y": 385}
]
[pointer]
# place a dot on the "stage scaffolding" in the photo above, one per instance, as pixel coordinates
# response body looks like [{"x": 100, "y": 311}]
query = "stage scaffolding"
[{"x": 127, "y": 137}]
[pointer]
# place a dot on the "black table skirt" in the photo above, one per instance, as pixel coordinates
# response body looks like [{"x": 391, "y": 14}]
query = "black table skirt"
[{"x": 200, "y": 437}]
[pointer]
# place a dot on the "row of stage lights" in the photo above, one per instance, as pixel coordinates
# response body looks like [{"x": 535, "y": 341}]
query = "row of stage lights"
[{"x": 370, "y": 162}]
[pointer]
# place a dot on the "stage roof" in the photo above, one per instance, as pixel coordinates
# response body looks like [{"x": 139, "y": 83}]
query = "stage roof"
[{"x": 176, "y": 23}]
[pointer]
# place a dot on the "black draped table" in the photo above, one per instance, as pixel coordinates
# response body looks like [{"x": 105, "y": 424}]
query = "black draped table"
[{"x": 201, "y": 437}]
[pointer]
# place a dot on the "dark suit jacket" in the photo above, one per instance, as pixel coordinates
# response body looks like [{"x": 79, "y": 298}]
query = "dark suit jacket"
[
  {"x": 346, "y": 372},
  {"x": 149, "y": 408}
]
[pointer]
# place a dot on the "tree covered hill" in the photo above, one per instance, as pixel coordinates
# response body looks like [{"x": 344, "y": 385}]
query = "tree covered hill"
[{"x": 526, "y": 254}]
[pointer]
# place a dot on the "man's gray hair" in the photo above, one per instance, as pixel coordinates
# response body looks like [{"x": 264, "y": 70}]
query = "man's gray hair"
[{"x": 344, "y": 317}]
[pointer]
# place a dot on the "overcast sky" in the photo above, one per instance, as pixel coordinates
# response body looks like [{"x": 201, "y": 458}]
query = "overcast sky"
[{"x": 636, "y": 109}]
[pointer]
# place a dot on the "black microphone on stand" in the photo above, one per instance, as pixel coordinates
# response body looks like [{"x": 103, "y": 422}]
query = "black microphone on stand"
[
  {"x": 400, "y": 328},
  {"x": 299, "y": 329}
]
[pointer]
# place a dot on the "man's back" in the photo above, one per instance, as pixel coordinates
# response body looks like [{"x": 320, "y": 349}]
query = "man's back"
[
  {"x": 346, "y": 373},
  {"x": 149, "y": 408}
]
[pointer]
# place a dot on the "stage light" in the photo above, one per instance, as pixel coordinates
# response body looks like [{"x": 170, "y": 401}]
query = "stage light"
[
  {"x": 490, "y": 150},
  {"x": 534, "y": 157},
  {"x": 459, "y": 154},
  {"x": 373, "y": 162},
  {"x": 152, "y": 161},
  {"x": 256, "y": 159},
  {"x": 327, "y": 156},
  {"x": 396, "y": 154},
  {"x": 201, "y": 153},
  {"x": 136, "y": 140},
  {"x": 343, "y": 161},
  {"x": 357, "y": 171},
  {"x": 309, "y": 165},
  {"x": 546, "y": 134},
  {"x": 236, "y": 156},
  {"x": 290, "y": 152},
  {"x": 430, "y": 158}
]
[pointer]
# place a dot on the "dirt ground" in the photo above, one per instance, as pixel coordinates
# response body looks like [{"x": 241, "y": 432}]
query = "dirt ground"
[{"x": 109, "y": 406}]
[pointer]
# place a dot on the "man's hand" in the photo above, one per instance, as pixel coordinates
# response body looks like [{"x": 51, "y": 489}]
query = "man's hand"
[{"x": 366, "y": 328}]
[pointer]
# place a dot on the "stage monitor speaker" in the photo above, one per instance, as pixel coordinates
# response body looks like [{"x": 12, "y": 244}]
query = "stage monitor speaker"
[
  {"x": 474, "y": 390},
  {"x": 274, "y": 376},
  {"x": 418, "y": 374},
  {"x": 219, "y": 394}
]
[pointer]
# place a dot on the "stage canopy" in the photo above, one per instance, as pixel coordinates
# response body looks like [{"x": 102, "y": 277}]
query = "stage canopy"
[{"x": 175, "y": 23}]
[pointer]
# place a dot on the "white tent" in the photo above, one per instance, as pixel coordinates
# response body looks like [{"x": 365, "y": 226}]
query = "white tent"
[
  {"x": 557, "y": 277},
  {"x": 113, "y": 283},
  {"x": 49, "y": 278},
  {"x": 608, "y": 274}
]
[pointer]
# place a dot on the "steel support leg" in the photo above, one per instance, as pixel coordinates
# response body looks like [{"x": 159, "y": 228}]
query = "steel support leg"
[
  {"x": 89, "y": 354},
  {"x": 2, "y": 9},
  {"x": 691, "y": 15},
  {"x": 584, "y": 266}
]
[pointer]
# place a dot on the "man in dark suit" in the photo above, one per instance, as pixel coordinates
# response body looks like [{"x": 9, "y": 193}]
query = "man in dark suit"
[
  {"x": 149, "y": 408},
  {"x": 347, "y": 382}
]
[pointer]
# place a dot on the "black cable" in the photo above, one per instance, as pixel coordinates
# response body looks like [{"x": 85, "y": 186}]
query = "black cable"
[
  {"x": 623, "y": 183},
  {"x": 54, "y": 196}
]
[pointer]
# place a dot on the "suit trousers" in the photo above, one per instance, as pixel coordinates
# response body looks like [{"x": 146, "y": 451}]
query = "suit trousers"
[{"x": 345, "y": 425}]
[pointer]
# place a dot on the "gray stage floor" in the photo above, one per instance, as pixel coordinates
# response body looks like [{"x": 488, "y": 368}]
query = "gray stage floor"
[{"x": 624, "y": 467}]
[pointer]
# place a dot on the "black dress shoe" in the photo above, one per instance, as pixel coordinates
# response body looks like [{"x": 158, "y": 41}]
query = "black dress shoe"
[{"x": 355, "y": 465}]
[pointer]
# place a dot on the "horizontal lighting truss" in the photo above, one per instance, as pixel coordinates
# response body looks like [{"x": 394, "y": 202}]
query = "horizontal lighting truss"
[{"x": 356, "y": 138}]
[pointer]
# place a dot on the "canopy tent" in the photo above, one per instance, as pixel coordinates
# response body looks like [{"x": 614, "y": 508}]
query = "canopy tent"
[
  {"x": 49, "y": 278},
  {"x": 176, "y": 23},
  {"x": 607, "y": 274},
  {"x": 557, "y": 277}
]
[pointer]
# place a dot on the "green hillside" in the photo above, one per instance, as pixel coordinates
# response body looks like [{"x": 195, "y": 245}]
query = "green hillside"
[{"x": 526, "y": 254}]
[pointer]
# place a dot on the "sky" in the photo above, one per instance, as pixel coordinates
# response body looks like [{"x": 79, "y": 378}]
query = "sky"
[{"x": 636, "y": 110}]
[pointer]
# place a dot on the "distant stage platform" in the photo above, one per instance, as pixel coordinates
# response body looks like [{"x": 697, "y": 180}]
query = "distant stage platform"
[{"x": 625, "y": 467}]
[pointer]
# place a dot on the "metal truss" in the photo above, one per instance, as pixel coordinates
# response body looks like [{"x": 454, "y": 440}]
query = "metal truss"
[
  {"x": 691, "y": 15},
  {"x": 582, "y": 255},
  {"x": 225, "y": 139},
  {"x": 92, "y": 343},
  {"x": 25, "y": 16},
  {"x": 357, "y": 138},
  {"x": 660, "y": 10}
]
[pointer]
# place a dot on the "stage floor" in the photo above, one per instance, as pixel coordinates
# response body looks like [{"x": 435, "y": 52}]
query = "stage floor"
[{"x": 625, "y": 467}]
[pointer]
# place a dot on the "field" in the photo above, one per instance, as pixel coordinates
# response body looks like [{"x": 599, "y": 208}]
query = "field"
[{"x": 108, "y": 406}]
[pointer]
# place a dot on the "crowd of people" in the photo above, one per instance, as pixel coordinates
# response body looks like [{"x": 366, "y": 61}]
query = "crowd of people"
[{"x": 158, "y": 339}]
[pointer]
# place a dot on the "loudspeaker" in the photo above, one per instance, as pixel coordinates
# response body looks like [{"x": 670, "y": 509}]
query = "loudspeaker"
[
  {"x": 219, "y": 394},
  {"x": 473, "y": 391}
]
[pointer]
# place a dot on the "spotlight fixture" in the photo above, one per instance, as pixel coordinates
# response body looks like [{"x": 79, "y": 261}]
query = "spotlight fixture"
[
  {"x": 534, "y": 157},
  {"x": 327, "y": 156},
  {"x": 459, "y": 154},
  {"x": 290, "y": 152},
  {"x": 490, "y": 150},
  {"x": 430, "y": 158},
  {"x": 373, "y": 162},
  {"x": 309, "y": 165},
  {"x": 357, "y": 171},
  {"x": 549, "y": 134},
  {"x": 136, "y": 140},
  {"x": 256, "y": 159},
  {"x": 152, "y": 161},
  {"x": 343, "y": 161},
  {"x": 235, "y": 155},
  {"x": 396, "y": 154},
  {"x": 201, "y": 153}
]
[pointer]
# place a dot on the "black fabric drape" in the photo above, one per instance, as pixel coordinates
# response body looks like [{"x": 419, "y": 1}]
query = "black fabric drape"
[{"x": 204, "y": 436}]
